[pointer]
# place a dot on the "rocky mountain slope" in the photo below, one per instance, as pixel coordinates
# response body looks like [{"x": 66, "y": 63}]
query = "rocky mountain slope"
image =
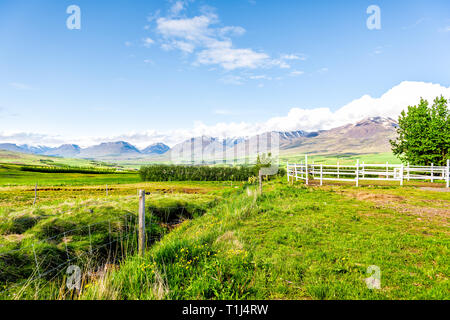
[{"x": 371, "y": 135}]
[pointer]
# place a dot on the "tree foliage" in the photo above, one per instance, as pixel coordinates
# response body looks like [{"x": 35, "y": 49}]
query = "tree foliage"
[
  {"x": 195, "y": 173},
  {"x": 424, "y": 133}
]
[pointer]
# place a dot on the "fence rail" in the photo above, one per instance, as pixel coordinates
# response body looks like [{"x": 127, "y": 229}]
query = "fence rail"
[{"x": 367, "y": 172}]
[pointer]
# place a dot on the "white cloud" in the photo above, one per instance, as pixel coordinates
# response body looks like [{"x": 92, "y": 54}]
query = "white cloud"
[
  {"x": 232, "y": 30},
  {"x": 293, "y": 57},
  {"x": 20, "y": 86},
  {"x": 128, "y": 44},
  {"x": 378, "y": 50},
  {"x": 296, "y": 73},
  {"x": 260, "y": 77},
  {"x": 223, "y": 54},
  {"x": 153, "y": 17},
  {"x": 234, "y": 80},
  {"x": 194, "y": 29},
  {"x": 415, "y": 24},
  {"x": 211, "y": 44},
  {"x": 148, "y": 42},
  {"x": 177, "y": 7},
  {"x": 181, "y": 45},
  {"x": 389, "y": 104}
]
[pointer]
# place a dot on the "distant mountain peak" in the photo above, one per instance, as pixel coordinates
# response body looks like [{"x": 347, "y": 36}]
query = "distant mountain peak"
[{"x": 156, "y": 148}]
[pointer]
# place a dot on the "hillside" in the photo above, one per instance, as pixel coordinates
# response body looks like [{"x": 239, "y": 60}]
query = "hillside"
[
  {"x": 32, "y": 159},
  {"x": 371, "y": 135}
]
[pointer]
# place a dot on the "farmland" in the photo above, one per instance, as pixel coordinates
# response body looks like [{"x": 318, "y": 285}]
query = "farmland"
[{"x": 221, "y": 240}]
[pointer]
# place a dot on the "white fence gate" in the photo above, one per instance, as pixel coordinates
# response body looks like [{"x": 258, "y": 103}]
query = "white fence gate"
[{"x": 362, "y": 171}]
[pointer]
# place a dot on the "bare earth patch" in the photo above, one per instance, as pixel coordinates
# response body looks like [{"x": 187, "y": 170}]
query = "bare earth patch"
[
  {"x": 435, "y": 189},
  {"x": 402, "y": 205}
]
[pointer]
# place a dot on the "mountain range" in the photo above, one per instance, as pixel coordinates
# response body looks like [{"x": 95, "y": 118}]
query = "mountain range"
[
  {"x": 371, "y": 135},
  {"x": 119, "y": 149}
]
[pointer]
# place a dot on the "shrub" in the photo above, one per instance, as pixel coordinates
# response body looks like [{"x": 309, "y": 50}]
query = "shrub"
[{"x": 159, "y": 173}]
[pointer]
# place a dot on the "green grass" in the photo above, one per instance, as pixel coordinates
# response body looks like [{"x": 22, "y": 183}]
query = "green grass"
[
  {"x": 290, "y": 243},
  {"x": 11, "y": 175},
  {"x": 67, "y": 230},
  {"x": 9, "y": 157}
]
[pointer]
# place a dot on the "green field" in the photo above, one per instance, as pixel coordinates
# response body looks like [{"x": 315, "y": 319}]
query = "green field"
[
  {"x": 9, "y": 157},
  {"x": 221, "y": 240},
  {"x": 12, "y": 176}
]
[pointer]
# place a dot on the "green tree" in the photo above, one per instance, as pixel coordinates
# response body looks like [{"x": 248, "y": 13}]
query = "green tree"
[{"x": 424, "y": 133}]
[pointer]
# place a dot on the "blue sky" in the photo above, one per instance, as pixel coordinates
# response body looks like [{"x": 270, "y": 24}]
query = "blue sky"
[{"x": 163, "y": 70}]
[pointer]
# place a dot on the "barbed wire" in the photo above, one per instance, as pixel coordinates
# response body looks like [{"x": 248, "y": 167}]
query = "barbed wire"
[{"x": 125, "y": 234}]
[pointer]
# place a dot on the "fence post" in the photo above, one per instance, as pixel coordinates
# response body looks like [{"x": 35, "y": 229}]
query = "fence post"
[
  {"x": 306, "y": 168},
  {"x": 260, "y": 182},
  {"x": 387, "y": 169},
  {"x": 409, "y": 172},
  {"x": 287, "y": 171},
  {"x": 338, "y": 175},
  {"x": 321, "y": 174},
  {"x": 357, "y": 173},
  {"x": 35, "y": 194},
  {"x": 401, "y": 174},
  {"x": 448, "y": 173},
  {"x": 432, "y": 173},
  {"x": 295, "y": 173},
  {"x": 141, "y": 222}
]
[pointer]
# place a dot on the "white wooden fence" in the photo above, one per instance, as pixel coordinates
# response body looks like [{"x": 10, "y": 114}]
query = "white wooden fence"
[{"x": 362, "y": 171}]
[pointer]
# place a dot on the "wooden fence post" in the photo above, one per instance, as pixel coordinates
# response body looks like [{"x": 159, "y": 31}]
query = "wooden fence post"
[
  {"x": 35, "y": 194},
  {"x": 321, "y": 174},
  {"x": 448, "y": 173},
  {"x": 287, "y": 171},
  {"x": 338, "y": 175},
  {"x": 432, "y": 172},
  {"x": 387, "y": 169},
  {"x": 357, "y": 173},
  {"x": 401, "y": 174},
  {"x": 306, "y": 168},
  {"x": 141, "y": 222}
]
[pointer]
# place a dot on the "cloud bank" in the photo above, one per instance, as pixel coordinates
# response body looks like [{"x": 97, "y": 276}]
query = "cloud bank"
[{"x": 389, "y": 104}]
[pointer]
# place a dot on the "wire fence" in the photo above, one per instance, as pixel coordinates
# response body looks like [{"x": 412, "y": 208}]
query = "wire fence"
[{"x": 107, "y": 241}]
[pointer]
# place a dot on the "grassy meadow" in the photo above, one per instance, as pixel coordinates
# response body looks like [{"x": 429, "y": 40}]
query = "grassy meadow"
[
  {"x": 220, "y": 240},
  {"x": 296, "y": 243}
]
